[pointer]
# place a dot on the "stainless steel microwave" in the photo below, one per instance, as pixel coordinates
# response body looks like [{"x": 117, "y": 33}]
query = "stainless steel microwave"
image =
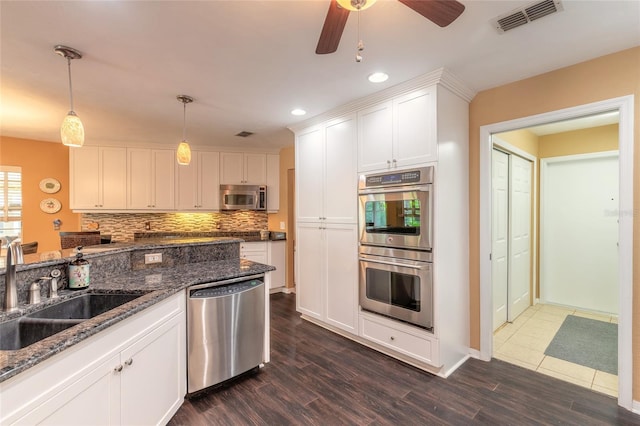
[{"x": 243, "y": 197}]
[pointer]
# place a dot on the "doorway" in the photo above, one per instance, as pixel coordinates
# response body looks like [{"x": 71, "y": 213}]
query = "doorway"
[{"x": 624, "y": 106}]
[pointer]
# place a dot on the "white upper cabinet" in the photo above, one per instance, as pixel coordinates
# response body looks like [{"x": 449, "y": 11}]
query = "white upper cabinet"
[
  {"x": 273, "y": 183},
  {"x": 375, "y": 137},
  {"x": 414, "y": 129},
  {"x": 198, "y": 185},
  {"x": 398, "y": 133},
  {"x": 98, "y": 178},
  {"x": 151, "y": 179},
  {"x": 327, "y": 178},
  {"x": 243, "y": 168}
]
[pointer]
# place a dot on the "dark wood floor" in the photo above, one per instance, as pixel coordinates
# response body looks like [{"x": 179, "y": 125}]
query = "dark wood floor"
[{"x": 318, "y": 378}]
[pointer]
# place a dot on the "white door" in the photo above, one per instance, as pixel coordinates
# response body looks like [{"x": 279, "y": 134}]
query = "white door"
[
  {"x": 519, "y": 237},
  {"x": 579, "y": 230},
  {"x": 310, "y": 174},
  {"x": 340, "y": 191},
  {"x": 341, "y": 298},
  {"x": 310, "y": 252},
  {"x": 500, "y": 235}
]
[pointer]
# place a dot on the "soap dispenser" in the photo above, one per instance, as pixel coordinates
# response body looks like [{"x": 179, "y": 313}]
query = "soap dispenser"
[{"x": 79, "y": 272}]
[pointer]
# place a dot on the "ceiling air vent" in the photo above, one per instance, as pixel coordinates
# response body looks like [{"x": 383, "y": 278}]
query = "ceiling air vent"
[
  {"x": 521, "y": 16},
  {"x": 244, "y": 134}
]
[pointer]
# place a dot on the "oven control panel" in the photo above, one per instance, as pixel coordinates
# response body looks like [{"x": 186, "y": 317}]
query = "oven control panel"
[{"x": 420, "y": 175}]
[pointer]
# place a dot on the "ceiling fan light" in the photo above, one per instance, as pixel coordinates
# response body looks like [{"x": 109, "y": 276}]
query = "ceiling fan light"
[
  {"x": 183, "y": 154},
  {"x": 72, "y": 130},
  {"x": 355, "y": 5}
]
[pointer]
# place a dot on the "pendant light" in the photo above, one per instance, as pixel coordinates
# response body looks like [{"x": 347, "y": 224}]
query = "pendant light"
[
  {"x": 72, "y": 130},
  {"x": 183, "y": 154}
]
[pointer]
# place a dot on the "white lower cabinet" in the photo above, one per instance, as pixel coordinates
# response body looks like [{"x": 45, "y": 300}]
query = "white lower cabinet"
[
  {"x": 276, "y": 256},
  {"x": 327, "y": 280},
  {"x": 255, "y": 251},
  {"x": 406, "y": 340},
  {"x": 132, "y": 373}
]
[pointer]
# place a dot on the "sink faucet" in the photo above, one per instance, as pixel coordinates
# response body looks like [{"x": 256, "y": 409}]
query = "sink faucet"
[{"x": 14, "y": 257}]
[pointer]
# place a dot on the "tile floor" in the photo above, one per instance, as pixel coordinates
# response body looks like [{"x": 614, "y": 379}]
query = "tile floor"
[{"x": 524, "y": 341}]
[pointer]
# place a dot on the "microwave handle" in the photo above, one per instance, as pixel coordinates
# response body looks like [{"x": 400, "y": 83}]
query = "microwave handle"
[{"x": 386, "y": 262}]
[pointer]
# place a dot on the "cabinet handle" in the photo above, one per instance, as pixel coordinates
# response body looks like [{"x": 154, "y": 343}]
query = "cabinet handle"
[
  {"x": 129, "y": 361},
  {"x": 388, "y": 162},
  {"x": 118, "y": 368},
  {"x": 395, "y": 163}
]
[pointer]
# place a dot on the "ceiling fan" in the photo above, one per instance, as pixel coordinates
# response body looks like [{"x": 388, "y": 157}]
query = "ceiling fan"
[{"x": 441, "y": 12}]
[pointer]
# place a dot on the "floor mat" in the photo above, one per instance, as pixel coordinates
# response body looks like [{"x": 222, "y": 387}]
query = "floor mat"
[{"x": 587, "y": 342}]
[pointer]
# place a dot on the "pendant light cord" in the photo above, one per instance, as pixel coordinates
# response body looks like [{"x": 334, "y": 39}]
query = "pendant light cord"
[
  {"x": 184, "y": 122},
  {"x": 70, "y": 85}
]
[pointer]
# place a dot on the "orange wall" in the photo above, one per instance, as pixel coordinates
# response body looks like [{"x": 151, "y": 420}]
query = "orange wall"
[
  {"x": 41, "y": 160},
  {"x": 596, "y": 80},
  {"x": 287, "y": 161}
]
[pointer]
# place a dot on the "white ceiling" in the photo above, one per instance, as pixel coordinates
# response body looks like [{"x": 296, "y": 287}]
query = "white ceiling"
[{"x": 248, "y": 63}]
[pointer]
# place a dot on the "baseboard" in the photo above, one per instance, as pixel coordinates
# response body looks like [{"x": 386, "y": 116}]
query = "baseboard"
[
  {"x": 635, "y": 407},
  {"x": 289, "y": 290},
  {"x": 474, "y": 353}
]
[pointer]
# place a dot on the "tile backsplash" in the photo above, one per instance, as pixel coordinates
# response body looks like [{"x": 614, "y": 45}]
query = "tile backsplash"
[{"x": 122, "y": 226}]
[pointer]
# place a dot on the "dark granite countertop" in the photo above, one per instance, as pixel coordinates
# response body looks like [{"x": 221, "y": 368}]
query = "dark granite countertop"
[{"x": 155, "y": 284}]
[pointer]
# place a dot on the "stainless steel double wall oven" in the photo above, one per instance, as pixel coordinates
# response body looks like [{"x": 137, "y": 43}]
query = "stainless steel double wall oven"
[{"x": 395, "y": 219}]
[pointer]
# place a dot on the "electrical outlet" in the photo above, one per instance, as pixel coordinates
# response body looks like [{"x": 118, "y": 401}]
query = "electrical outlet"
[
  {"x": 152, "y": 258},
  {"x": 282, "y": 225}
]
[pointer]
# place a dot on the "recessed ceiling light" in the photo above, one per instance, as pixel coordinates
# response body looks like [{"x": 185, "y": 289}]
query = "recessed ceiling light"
[
  {"x": 298, "y": 111},
  {"x": 378, "y": 77}
]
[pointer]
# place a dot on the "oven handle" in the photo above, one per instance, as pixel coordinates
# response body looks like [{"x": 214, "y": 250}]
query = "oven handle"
[
  {"x": 411, "y": 265},
  {"x": 426, "y": 187}
]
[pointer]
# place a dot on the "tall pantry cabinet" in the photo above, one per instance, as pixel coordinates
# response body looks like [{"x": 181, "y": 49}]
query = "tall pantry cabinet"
[
  {"x": 422, "y": 122},
  {"x": 326, "y": 234}
]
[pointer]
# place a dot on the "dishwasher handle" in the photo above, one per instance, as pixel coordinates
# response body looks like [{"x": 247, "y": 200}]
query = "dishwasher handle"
[{"x": 225, "y": 282}]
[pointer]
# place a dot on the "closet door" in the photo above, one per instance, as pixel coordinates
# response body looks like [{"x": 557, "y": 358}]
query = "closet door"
[
  {"x": 500, "y": 236},
  {"x": 519, "y": 236}
]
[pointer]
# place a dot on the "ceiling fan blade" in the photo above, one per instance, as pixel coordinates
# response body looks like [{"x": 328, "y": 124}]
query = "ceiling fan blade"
[
  {"x": 440, "y": 12},
  {"x": 332, "y": 29}
]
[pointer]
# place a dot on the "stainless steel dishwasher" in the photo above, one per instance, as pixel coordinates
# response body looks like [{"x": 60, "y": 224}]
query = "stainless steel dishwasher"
[{"x": 225, "y": 330}]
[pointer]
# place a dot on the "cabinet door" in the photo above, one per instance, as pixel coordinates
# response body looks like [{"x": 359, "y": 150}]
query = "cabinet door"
[
  {"x": 255, "y": 169},
  {"x": 255, "y": 251},
  {"x": 341, "y": 185},
  {"x": 113, "y": 177},
  {"x": 84, "y": 178},
  {"x": 187, "y": 189},
  {"x": 153, "y": 376},
  {"x": 231, "y": 168},
  {"x": 375, "y": 137},
  {"x": 277, "y": 258},
  {"x": 310, "y": 269},
  {"x": 273, "y": 183},
  {"x": 140, "y": 185},
  {"x": 309, "y": 174},
  {"x": 163, "y": 179},
  {"x": 92, "y": 400},
  {"x": 209, "y": 180},
  {"x": 342, "y": 277},
  {"x": 415, "y": 138}
]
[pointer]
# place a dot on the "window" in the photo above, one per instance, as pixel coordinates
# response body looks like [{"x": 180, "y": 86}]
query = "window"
[{"x": 10, "y": 201}]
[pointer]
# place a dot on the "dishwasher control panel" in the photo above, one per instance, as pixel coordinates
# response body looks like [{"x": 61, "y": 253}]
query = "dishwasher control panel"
[{"x": 225, "y": 290}]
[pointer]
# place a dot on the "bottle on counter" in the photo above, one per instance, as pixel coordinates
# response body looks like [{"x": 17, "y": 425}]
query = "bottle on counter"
[{"x": 79, "y": 272}]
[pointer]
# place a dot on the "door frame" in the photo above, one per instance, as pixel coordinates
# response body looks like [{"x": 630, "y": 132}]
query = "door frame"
[{"x": 624, "y": 105}]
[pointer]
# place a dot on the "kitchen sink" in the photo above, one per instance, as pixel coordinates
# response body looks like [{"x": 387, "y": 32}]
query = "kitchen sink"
[
  {"x": 29, "y": 329},
  {"x": 85, "y": 306},
  {"x": 22, "y": 332}
]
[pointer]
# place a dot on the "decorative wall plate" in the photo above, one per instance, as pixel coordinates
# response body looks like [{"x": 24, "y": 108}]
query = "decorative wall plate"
[
  {"x": 49, "y": 185},
  {"x": 50, "y": 205}
]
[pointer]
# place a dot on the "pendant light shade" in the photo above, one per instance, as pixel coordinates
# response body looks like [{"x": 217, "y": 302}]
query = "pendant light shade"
[
  {"x": 183, "y": 154},
  {"x": 72, "y": 130}
]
